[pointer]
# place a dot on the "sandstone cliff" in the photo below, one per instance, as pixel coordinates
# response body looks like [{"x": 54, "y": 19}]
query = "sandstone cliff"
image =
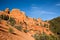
[{"x": 28, "y": 26}]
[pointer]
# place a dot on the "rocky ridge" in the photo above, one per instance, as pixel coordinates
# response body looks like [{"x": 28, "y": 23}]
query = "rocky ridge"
[{"x": 29, "y": 26}]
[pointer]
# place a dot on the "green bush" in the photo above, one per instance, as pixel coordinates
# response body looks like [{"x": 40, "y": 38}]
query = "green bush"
[
  {"x": 18, "y": 28},
  {"x": 44, "y": 37},
  {"x": 4, "y": 17},
  {"x": 55, "y": 26},
  {"x": 52, "y": 37},
  {"x": 26, "y": 30},
  {"x": 11, "y": 30},
  {"x": 40, "y": 36},
  {"x": 46, "y": 25},
  {"x": 7, "y": 18},
  {"x": 36, "y": 36},
  {"x": 12, "y": 21}
]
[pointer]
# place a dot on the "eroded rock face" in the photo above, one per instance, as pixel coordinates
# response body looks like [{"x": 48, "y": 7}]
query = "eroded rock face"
[
  {"x": 18, "y": 15},
  {"x": 8, "y": 36},
  {"x": 16, "y": 35},
  {"x": 26, "y": 22}
]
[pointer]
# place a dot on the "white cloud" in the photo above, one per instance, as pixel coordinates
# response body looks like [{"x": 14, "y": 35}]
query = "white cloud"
[
  {"x": 46, "y": 12},
  {"x": 58, "y": 4},
  {"x": 34, "y": 7},
  {"x": 35, "y": 10}
]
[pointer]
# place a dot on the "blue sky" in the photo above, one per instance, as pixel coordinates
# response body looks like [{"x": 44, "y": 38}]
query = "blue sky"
[{"x": 44, "y": 9}]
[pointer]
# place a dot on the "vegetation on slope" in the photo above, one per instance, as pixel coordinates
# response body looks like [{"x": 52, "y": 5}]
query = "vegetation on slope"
[
  {"x": 7, "y": 18},
  {"x": 11, "y": 30},
  {"x": 4, "y": 17},
  {"x": 55, "y": 25},
  {"x": 44, "y": 37},
  {"x": 19, "y": 28},
  {"x": 23, "y": 26}
]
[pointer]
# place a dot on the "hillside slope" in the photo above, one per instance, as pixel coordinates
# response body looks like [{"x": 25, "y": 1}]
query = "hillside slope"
[
  {"x": 15, "y": 25},
  {"x": 11, "y": 33},
  {"x": 55, "y": 25}
]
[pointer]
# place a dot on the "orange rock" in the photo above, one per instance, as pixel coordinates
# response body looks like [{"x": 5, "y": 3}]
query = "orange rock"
[{"x": 31, "y": 24}]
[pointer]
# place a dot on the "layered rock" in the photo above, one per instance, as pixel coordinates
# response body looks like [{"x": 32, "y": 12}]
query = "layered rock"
[{"x": 31, "y": 24}]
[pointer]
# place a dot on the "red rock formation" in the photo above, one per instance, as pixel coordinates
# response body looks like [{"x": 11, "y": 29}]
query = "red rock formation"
[{"x": 31, "y": 24}]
